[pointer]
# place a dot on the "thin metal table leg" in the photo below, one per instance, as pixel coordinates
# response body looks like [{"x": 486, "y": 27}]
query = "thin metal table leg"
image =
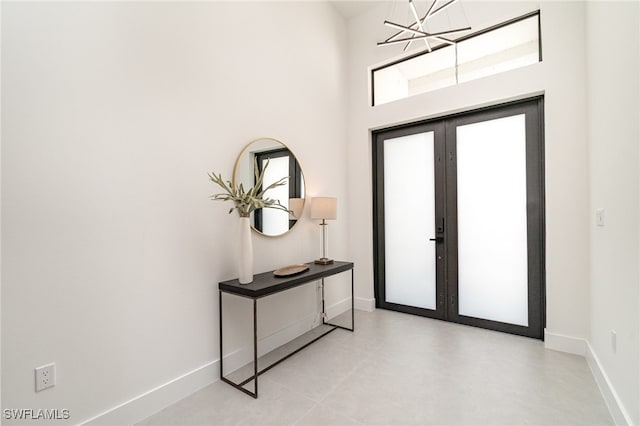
[
  {"x": 353, "y": 323},
  {"x": 352, "y": 308},
  {"x": 220, "y": 322},
  {"x": 323, "y": 313},
  {"x": 255, "y": 347}
]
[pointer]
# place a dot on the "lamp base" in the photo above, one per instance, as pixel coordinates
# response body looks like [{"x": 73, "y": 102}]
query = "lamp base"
[{"x": 323, "y": 261}]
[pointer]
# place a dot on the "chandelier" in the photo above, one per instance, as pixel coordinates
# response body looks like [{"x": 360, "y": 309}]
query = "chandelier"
[{"x": 417, "y": 30}]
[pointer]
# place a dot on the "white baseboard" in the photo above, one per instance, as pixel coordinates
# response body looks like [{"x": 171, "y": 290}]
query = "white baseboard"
[
  {"x": 579, "y": 346},
  {"x": 562, "y": 343},
  {"x": 154, "y": 400},
  {"x": 244, "y": 355},
  {"x": 367, "y": 305},
  {"x": 616, "y": 408},
  {"x": 338, "y": 308}
]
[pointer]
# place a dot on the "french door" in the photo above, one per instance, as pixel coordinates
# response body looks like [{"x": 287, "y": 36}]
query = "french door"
[{"x": 459, "y": 218}]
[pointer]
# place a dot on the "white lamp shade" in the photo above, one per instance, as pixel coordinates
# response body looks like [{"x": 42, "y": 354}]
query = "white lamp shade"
[{"x": 324, "y": 208}]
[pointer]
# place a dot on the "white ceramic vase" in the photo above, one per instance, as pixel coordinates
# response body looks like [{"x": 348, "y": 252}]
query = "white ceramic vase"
[{"x": 245, "y": 252}]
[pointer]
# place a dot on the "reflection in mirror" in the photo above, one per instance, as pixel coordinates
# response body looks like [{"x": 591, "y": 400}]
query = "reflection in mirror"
[{"x": 282, "y": 162}]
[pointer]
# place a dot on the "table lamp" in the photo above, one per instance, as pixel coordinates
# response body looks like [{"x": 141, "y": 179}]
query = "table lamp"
[{"x": 324, "y": 208}]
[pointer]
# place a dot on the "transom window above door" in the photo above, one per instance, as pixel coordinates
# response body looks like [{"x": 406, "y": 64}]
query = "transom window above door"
[{"x": 504, "y": 47}]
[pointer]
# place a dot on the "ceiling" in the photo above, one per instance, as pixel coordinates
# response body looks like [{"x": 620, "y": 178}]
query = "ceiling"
[{"x": 351, "y": 8}]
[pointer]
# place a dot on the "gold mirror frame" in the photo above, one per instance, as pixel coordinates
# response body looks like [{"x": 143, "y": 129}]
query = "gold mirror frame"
[{"x": 272, "y": 222}]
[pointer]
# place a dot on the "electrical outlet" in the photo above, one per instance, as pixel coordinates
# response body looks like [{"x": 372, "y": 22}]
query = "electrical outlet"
[
  {"x": 599, "y": 217},
  {"x": 45, "y": 377}
]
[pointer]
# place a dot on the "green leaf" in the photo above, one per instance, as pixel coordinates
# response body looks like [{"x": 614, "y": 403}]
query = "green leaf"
[{"x": 247, "y": 201}]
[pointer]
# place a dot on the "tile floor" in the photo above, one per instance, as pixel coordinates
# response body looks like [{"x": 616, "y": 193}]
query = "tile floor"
[{"x": 399, "y": 369}]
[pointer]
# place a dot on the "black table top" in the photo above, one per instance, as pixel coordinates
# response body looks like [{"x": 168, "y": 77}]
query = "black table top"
[{"x": 266, "y": 283}]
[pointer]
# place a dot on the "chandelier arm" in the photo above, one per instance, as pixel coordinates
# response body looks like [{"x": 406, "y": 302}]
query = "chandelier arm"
[
  {"x": 419, "y": 37},
  {"x": 395, "y": 35},
  {"x": 441, "y": 8},
  {"x": 445, "y": 40},
  {"x": 421, "y": 33},
  {"x": 433, "y": 35},
  {"x": 457, "y": 30},
  {"x": 417, "y": 29},
  {"x": 422, "y": 21},
  {"x": 404, "y": 40},
  {"x": 429, "y": 11},
  {"x": 414, "y": 24},
  {"x": 405, "y": 29},
  {"x": 419, "y": 23},
  {"x": 401, "y": 40},
  {"x": 399, "y": 32}
]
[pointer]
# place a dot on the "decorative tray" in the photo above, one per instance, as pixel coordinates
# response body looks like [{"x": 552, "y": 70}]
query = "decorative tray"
[{"x": 290, "y": 270}]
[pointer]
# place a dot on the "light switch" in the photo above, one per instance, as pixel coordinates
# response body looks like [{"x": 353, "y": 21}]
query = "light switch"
[{"x": 599, "y": 217}]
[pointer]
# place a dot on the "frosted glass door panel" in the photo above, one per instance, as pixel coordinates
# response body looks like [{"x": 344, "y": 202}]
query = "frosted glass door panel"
[
  {"x": 492, "y": 220},
  {"x": 276, "y": 222},
  {"x": 409, "y": 212}
]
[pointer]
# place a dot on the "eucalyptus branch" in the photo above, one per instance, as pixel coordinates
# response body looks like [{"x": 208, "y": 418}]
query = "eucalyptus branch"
[{"x": 248, "y": 201}]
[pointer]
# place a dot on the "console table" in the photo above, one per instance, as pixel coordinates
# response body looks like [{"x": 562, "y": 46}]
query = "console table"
[{"x": 267, "y": 284}]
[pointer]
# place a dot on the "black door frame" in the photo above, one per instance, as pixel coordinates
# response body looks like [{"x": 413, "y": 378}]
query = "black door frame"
[
  {"x": 379, "y": 231},
  {"x": 446, "y": 272}
]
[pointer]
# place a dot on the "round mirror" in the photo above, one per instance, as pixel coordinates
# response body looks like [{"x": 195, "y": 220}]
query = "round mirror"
[{"x": 282, "y": 163}]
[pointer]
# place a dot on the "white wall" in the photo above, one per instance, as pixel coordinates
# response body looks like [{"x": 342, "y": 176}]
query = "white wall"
[
  {"x": 561, "y": 77},
  {"x": 113, "y": 113},
  {"x": 613, "y": 115}
]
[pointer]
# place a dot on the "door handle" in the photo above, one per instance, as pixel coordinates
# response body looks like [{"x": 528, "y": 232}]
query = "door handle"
[{"x": 437, "y": 239}]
